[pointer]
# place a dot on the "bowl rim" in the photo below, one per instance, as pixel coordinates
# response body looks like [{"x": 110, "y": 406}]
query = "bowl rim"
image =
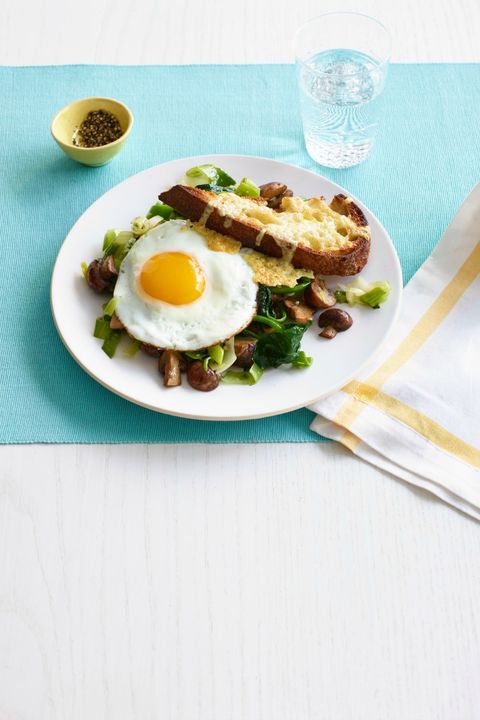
[{"x": 122, "y": 137}]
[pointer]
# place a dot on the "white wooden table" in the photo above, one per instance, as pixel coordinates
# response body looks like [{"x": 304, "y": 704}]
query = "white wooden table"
[{"x": 269, "y": 582}]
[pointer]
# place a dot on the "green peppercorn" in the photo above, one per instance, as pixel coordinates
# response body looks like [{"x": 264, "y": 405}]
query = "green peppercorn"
[{"x": 100, "y": 127}]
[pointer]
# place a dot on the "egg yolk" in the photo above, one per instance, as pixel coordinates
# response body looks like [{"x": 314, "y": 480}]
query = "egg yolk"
[{"x": 173, "y": 277}]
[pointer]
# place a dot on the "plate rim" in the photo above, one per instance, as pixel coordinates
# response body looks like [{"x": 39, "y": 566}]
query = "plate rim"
[{"x": 230, "y": 418}]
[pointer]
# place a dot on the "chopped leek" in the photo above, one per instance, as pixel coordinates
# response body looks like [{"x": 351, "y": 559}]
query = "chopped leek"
[
  {"x": 110, "y": 343},
  {"x": 142, "y": 224},
  {"x": 376, "y": 295},
  {"x": 132, "y": 348},
  {"x": 102, "y": 328},
  {"x": 255, "y": 373},
  {"x": 203, "y": 173},
  {"x": 84, "y": 267},
  {"x": 228, "y": 356},
  {"x": 208, "y": 174},
  {"x": 247, "y": 188},
  {"x": 117, "y": 243},
  {"x": 223, "y": 178},
  {"x": 162, "y": 210},
  {"x": 244, "y": 377},
  {"x": 110, "y": 338},
  {"x": 109, "y": 240},
  {"x": 216, "y": 353},
  {"x": 109, "y": 307},
  {"x": 360, "y": 292}
]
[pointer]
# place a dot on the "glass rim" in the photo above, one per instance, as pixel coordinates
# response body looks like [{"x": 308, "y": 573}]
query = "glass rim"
[{"x": 348, "y": 13}]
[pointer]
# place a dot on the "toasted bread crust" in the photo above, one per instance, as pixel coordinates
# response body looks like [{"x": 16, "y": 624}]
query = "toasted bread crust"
[{"x": 193, "y": 204}]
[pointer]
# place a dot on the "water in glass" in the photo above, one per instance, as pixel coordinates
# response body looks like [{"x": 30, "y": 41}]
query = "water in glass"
[{"x": 339, "y": 94}]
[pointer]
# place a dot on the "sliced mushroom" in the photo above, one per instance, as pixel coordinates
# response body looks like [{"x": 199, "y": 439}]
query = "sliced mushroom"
[
  {"x": 272, "y": 189},
  {"x": 95, "y": 277},
  {"x": 108, "y": 269},
  {"x": 116, "y": 323},
  {"x": 169, "y": 365},
  {"x": 298, "y": 311},
  {"x": 201, "y": 379},
  {"x": 100, "y": 274},
  {"x": 276, "y": 202},
  {"x": 317, "y": 295},
  {"x": 244, "y": 349},
  {"x": 328, "y": 332},
  {"x": 274, "y": 192},
  {"x": 334, "y": 321}
]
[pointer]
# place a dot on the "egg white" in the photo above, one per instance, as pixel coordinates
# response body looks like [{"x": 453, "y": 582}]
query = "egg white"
[{"x": 225, "y": 307}]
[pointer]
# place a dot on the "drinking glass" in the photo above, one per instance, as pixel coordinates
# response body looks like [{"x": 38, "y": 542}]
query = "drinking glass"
[{"x": 342, "y": 61}]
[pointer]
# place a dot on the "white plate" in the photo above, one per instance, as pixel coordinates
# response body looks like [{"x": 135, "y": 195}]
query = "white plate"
[{"x": 75, "y": 306}]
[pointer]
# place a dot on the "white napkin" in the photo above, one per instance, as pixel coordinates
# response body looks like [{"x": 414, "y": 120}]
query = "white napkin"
[{"x": 416, "y": 411}]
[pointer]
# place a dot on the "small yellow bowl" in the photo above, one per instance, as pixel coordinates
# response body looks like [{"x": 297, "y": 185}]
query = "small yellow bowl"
[{"x": 65, "y": 123}]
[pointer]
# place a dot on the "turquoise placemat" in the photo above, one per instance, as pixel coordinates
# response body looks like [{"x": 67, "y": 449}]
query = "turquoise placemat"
[{"x": 425, "y": 162}]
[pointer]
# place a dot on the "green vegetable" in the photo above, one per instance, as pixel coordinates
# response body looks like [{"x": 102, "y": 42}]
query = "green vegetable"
[
  {"x": 109, "y": 240},
  {"x": 243, "y": 377},
  {"x": 142, "y": 224},
  {"x": 360, "y": 292},
  {"x": 117, "y": 243},
  {"x": 110, "y": 338},
  {"x": 162, "y": 210},
  {"x": 208, "y": 174},
  {"x": 280, "y": 313},
  {"x": 102, "y": 328},
  {"x": 281, "y": 347},
  {"x": 228, "y": 358},
  {"x": 247, "y": 188},
  {"x": 196, "y": 354},
  {"x": 267, "y": 321},
  {"x": 264, "y": 300},
  {"x": 109, "y": 307},
  {"x": 132, "y": 348},
  {"x": 302, "y": 283},
  {"x": 216, "y": 352},
  {"x": 301, "y": 360},
  {"x": 377, "y": 295},
  {"x": 223, "y": 179},
  {"x": 84, "y": 267},
  {"x": 110, "y": 343},
  {"x": 268, "y": 309}
]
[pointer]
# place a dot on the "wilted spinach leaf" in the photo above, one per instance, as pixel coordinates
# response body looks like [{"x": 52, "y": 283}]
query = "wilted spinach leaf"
[
  {"x": 281, "y": 347},
  {"x": 264, "y": 301}
]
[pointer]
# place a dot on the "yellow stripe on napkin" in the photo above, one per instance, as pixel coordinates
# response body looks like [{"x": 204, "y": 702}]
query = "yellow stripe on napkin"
[
  {"x": 424, "y": 328},
  {"x": 414, "y": 419}
]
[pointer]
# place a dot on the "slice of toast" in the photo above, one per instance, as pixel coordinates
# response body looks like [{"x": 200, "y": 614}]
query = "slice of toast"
[{"x": 328, "y": 239}]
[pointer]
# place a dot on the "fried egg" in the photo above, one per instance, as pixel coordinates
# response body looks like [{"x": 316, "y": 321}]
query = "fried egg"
[{"x": 174, "y": 292}]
